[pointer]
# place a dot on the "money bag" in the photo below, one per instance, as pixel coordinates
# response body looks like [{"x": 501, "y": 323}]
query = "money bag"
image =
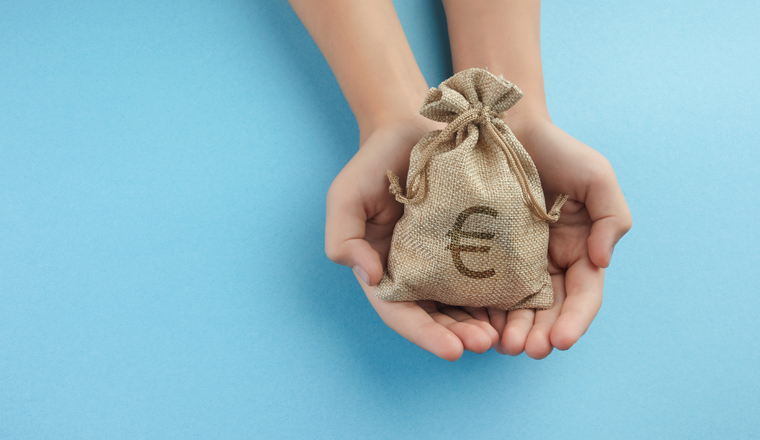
[{"x": 475, "y": 229}]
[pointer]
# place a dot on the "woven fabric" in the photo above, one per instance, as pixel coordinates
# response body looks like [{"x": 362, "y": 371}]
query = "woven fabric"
[{"x": 475, "y": 227}]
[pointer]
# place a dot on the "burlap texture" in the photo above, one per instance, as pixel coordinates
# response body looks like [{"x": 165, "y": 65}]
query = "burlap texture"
[{"x": 475, "y": 227}]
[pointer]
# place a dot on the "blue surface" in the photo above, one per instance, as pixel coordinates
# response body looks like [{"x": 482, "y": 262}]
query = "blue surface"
[{"x": 162, "y": 272}]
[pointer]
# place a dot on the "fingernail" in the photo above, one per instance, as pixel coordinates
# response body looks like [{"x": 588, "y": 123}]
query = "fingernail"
[{"x": 362, "y": 274}]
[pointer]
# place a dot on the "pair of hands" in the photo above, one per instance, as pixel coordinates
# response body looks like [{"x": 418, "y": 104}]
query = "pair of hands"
[{"x": 361, "y": 215}]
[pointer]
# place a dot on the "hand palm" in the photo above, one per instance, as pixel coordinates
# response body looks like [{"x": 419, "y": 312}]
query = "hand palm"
[
  {"x": 361, "y": 215},
  {"x": 580, "y": 242}
]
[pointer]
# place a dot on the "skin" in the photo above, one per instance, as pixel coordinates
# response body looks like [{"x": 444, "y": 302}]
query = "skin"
[{"x": 365, "y": 46}]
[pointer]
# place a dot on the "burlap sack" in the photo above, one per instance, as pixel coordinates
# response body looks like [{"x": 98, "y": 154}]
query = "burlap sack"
[{"x": 475, "y": 228}]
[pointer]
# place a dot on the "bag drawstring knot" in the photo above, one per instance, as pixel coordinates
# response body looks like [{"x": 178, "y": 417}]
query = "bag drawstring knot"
[{"x": 484, "y": 118}]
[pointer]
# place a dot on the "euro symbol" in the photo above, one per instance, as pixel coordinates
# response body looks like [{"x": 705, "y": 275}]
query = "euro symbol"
[{"x": 457, "y": 234}]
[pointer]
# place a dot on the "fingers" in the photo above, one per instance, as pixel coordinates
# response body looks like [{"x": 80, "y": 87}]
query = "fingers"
[
  {"x": 498, "y": 319},
  {"x": 584, "y": 282},
  {"x": 609, "y": 212},
  {"x": 519, "y": 323},
  {"x": 538, "y": 345},
  {"x": 605, "y": 233},
  {"x": 345, "y": 229},
  {"x": 476, "y": 335},
  {"x": 477, "y": 312},
  {"x": 415, "y": 324}
]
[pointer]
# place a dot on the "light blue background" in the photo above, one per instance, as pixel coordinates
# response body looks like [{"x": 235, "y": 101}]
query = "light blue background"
[{"x": 163, "y": 170}]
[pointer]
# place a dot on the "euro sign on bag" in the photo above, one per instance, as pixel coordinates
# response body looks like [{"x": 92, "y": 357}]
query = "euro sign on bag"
[{"x": 475, "y": 227}]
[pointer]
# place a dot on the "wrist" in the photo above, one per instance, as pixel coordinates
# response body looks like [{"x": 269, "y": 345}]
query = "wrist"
[
  {"x": 408, "y": 126},
  {"x": 528, "y": 80},
  {"x": 523, "y": 124},
  {"x": 529, "y": 108},
  {"x": 389, "y": 103},
  {"x": 523, "y": 118},
  {"x": 365, "y": 46},
  {"x": 504, "y": 37}
]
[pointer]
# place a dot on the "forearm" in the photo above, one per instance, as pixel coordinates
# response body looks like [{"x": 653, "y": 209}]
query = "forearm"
[
  {"x": 505, "y": 36},
  {"x": 366, "y": 48}
]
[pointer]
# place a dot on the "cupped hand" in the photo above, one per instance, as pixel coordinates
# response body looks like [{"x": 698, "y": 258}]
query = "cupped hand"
[
  {"x": 581, "y": 242},
  {"x": 361, "y": 215}
]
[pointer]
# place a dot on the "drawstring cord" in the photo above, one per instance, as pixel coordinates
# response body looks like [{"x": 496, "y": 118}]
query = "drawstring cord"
[{"x": 481, "y": 115}]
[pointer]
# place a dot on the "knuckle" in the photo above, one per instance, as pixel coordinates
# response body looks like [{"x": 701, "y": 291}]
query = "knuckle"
[
  {"x": 333, "y": 251},
  {"x": 627, "y": 223},
  {"x": 601, "y": 169},
  {"x": 338, "y": 186}
]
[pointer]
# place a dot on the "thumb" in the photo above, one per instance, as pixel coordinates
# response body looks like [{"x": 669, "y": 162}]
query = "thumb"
[
  {"x": 605, "y": 233},
  {"x": 610, "y": 216},
  {"x": 359, "y": 255},
  {"x": 345, "y": 229}
]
